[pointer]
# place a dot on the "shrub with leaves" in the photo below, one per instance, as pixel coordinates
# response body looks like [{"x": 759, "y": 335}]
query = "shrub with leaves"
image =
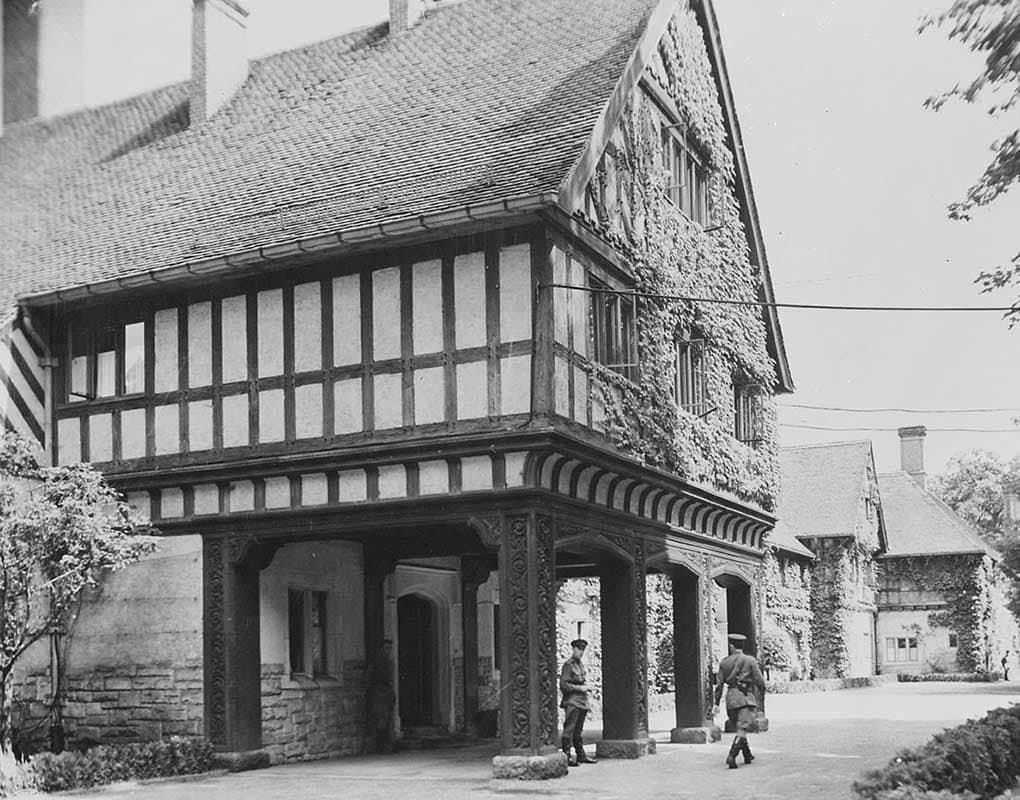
[{"x": 980, "y": 758}]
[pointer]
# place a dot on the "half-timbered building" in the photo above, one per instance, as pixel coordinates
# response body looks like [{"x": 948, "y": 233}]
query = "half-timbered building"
[{"x": 373, "y": 331}]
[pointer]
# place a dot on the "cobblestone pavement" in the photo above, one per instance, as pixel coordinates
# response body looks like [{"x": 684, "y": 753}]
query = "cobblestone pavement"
[{"x": 818, "y": 744}]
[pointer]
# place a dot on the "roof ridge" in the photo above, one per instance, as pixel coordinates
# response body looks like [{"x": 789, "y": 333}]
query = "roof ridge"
[{"x": 826, "y": 444}]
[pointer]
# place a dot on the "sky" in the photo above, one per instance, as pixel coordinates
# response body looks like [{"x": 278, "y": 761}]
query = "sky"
[{"x": 852, "y": 177}]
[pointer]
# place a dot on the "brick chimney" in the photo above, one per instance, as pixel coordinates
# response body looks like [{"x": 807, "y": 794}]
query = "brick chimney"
[
  {"x": 404, "y": 14},
  {"x": 219, "y": 55},
  {"x": 912, "y": 452}
]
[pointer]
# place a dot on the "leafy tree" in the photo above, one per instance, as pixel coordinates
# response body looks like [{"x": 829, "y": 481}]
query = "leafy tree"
[
  {"x": 61, "y": 530},
  {"x": 974, "y": 485},
  {"x": 990, "y": 28}
]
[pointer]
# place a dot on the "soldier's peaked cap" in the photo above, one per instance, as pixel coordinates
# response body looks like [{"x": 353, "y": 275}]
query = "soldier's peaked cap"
[
  {"x": 737, "y": 638},
  {"x": 582, "y": 643}
]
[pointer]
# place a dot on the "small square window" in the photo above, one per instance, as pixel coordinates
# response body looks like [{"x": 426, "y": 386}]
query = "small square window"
[{"x": 953, "y": 640}]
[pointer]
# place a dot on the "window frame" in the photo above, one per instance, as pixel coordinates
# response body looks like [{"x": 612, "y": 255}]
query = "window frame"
[
  {"x": 747, "y": 412},
  {"x": 92, "y": 332},
  {"x": 614, "y": 329},
  {"x": 690, "y": 375},
  {"x": 301, "y": 628},
  {"x": 690, "y": 178}
]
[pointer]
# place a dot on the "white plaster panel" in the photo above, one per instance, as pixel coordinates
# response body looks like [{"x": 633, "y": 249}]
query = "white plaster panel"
[
  {"x": 515, "y": 385},
  {"x": 166, "y": 357},
  {"x": 515, "y": 298},
  {"x": 314, "y": 489},
  {"x": 392, "y": 481},
  {"x": 200, "y": 344},
  {"x": 433, "y": 477},
  {"x": 307, "y": 327},
  {"x": 141, "y": 503},
  {"x": 386, "y": 313},
  {"x": 429, "y": 396},
  {"x": 271, "y": 424},
  {"x": 347, "y": 320},
  {"x": 278, "y": 492},
  {"x": 561, "y": 386},
  {"x": 580, "y": 396},
  {"x": 234, "y": 338},
  {"x": 206, "y": 499},
  {"x": 167, "y": 422},
  {"x": 200, "y": 425},
  {"x": 270, "y": 338},
  {"x": 242, "y": 496},
  {"x": 472, "y": 390},
  {"x": 469, "y": 300},
  {"x": 347, "y": 410},
  {"x": 427, "y": 304},
  {"x": 389, "y": 400},
  {"x": 514, "y": 468},
  {"x": 579, "y": 308},
  {"x": 101, "y": 437},
  {"x": 69, "y": 441},
  {"x": 132, "y": 433},
  {"x": 308, "y": 410},
  {"x": 561, "y": 298},
  {"x": 352, "y": 485},
  {"x": 171, "y": 503},
  {"x": 475, "y": 473},
  {"x": 598, "y": 411},
  {"x": 235, "y": 420}
]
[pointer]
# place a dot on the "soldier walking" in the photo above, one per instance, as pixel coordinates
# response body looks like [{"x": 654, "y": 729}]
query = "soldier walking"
[
  {"x": 740, "y": 676},
  {"x": 574, "y": 686}
]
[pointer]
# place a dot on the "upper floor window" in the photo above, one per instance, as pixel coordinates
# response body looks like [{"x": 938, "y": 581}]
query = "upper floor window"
[
  {"x": 747, "y": 412},
  {"x": 105, "y": 360},
  {"x": 689, "y": 175},
  {"x": 614, "y": 330},
  {"x": 689, "y": 385}
]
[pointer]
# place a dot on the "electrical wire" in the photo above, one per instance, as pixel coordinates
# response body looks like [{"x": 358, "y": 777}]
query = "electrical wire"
[
  {"x": 903, "y": 410},
  {"x": 893, "y": 430},
  {"x": 763, "y": 304}
]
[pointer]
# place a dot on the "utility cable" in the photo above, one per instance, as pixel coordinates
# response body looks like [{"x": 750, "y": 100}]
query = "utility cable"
[
  {"x": 893, "y": 430},
  {"x": 903, "y": 410}
]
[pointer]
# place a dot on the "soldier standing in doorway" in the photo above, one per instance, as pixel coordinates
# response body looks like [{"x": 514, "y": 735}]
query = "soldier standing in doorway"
[
  {"x": 740, "y": 677},
  {"x": 382, "y": 698},
  {"x": 574, "y": 686}
]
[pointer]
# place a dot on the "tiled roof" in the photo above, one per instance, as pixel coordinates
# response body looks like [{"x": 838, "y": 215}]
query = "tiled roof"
[
  {"x": 821, "y": 489},
  {"x": 480, "y": 101},
  {"x": 918, "y": 523},
  {"x": 781, "y": 538}
]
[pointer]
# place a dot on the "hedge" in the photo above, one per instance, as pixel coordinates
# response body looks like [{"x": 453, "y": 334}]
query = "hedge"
[
  {"x": 949, "y": 677},
  {"x": 826, "y": 684},
  {"x": 979, "y": 759},
  {"x": 110, "y": 763}
]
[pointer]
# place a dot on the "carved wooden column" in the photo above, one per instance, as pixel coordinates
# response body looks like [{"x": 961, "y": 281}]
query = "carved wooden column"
[
  {"x": 689, "y": 667},
  {"x": 233, "y": 660},
  {"x": 624, "y": 658},
  {"x": 474, "y": 571},
  {"x": 529, "y": 716}
]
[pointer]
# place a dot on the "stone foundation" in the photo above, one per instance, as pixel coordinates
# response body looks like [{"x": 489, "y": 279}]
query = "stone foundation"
[
  {"x": 702, "y": 735},
  {"x": 530, "y": 768},
  {"x": 304, "y": 719},
  {"x": 625, "y": 748}
]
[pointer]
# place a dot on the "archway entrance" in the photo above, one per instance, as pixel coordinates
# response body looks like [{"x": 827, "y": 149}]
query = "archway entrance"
[{"x": 417, "y": 661}]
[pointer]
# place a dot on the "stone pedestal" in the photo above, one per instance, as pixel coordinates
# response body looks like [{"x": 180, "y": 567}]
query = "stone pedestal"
[
  {"x": 703, "y": 735},
  {"x": 241, "y": 761},
  {"x": 761, "y": 725},
  {"x": 625, "y": 748},
  {"x": 530, "y": 767}
]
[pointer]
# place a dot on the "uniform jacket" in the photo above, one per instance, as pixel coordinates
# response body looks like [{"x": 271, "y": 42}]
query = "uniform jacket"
[
  {"x": 739, "y": 672},
  {"x": 571, "y": 676}
]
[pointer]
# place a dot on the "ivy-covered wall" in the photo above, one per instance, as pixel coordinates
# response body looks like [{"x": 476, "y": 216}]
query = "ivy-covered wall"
[
  {"x": 786, "y": 639},
  {"x": 672, "y": 255}
]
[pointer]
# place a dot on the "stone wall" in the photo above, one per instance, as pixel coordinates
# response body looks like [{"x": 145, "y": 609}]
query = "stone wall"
[{"x": 304, "y": 719}]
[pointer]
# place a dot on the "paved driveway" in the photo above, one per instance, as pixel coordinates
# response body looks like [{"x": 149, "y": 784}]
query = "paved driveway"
[{"x": 818, "y": 744}]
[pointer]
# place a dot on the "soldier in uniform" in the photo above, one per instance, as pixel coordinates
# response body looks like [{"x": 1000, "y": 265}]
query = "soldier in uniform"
[
  {"x": 740, "y": 677},
  {"x": 382, "y": 698},
  {"x": 574, "y": 687}
]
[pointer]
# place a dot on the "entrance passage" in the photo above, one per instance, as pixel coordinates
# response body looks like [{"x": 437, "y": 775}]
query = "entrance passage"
[{"x": 416, "y": 663}]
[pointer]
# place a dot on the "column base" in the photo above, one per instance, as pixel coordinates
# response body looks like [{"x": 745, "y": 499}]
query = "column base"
[
  {"x": 625, "y": 748},
  {"x": 761, "y": 725},
  {"x": 703, "y": 735},
  {"x": 530, "y": 768},
  {"x": 241, "y": 760}
]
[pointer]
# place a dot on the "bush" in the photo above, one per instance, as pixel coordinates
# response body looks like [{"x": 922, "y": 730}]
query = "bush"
[
  {"x": 979, "y": 758},
  {"x": 110, "y": 763},
  {"x": 949, "y": 677},
  {"x": 776, "y": 650},
  {"x": 15, "y": 775}
]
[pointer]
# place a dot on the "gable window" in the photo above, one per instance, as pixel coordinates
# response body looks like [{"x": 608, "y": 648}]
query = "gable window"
[
  {"x": 689, "y": 383},
  {"x": 954, "y": 640},
  {"x": 306, "y": 617},
  {"x": 614, "y": 330},
  {"x": 688, "y": 187},
  {"x": 105, "y": 361},
  {"x": 747, "y": 412}
]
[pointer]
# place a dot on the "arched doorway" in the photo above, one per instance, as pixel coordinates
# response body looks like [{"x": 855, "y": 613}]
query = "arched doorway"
[{"x": 417, "y": 661}]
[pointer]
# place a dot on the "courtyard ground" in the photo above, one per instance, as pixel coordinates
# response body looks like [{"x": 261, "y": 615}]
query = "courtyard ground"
[{"x": 819, "y": 743}]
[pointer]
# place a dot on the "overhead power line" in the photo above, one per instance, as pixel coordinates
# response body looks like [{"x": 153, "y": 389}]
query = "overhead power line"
[
  {"x": 762, "y": 304},
  {"x": 894, "y": 430},
  {"x": 903, "y": 410}
]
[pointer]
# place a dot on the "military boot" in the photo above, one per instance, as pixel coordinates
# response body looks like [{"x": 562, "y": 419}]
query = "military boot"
[
  {"x": 731, "y": 758},
  {"x": 582, "y": 757},
  {"x": 745, "y": 748},
  {"x": 565, "y": 747}
]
